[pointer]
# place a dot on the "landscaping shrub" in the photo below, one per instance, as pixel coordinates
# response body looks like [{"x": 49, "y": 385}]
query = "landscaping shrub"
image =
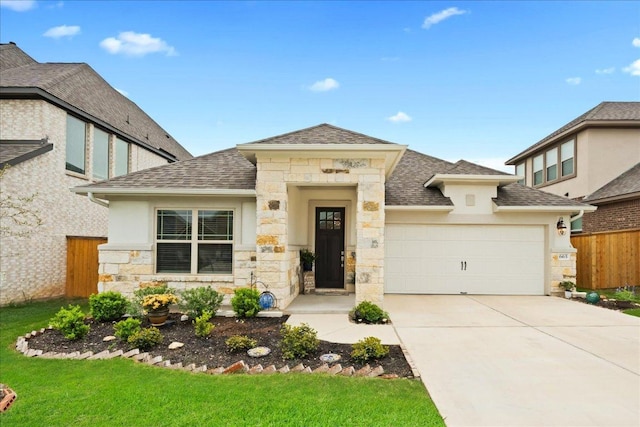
[
  {"x": 70, "y": 321},
  {"x": 625, "y": 295},
  {"x": 298, "y": 341},
  {"x": 202, "y": 325},
  {"x": 246, "y": 302},
  {"x": 125, "y": 328},
  {"x": 194, "y": 302},
  {"x": 369, "y": 348},
  {"x": 135, "y": 304},
  {"x": 369, "y": 312},
  {"x": 107, "y": 306},
  {"x": 145, "y": 339},
  {"x": 240, "y": 342}
]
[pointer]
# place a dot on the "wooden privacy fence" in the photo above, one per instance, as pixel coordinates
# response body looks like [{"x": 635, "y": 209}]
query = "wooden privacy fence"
[
  {"x": 82, "y": 266},
  {"x": 608, "y": 259}
]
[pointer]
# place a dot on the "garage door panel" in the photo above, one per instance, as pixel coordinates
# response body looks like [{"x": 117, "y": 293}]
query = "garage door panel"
[{"x": 452, "y": 259}]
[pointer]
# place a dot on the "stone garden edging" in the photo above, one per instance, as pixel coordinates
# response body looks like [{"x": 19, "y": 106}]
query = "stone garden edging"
[{"x": 22, "y": 345}]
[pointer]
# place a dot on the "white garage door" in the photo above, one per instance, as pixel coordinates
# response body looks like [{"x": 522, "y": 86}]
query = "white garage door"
[{"x": 473, "y": 259}]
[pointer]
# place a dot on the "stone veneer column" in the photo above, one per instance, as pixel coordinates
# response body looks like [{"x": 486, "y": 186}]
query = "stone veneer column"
[
  {"x": 272, "y": 262},
  {"x": 370, "y": 235}
]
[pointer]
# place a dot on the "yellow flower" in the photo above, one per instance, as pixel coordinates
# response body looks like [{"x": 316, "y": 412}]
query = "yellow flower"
[{"x": 157, "y": 301}]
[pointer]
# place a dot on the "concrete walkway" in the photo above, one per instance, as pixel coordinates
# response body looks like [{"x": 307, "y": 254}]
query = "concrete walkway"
[{"x": 522, "y": 361}]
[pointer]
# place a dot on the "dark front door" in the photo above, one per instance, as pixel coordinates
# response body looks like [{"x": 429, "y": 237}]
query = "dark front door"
[{"x": 330, "y": 247}]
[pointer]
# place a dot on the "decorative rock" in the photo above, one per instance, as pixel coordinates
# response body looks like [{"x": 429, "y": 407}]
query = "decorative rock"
[
  {"x": 298, "y": 368},
  {"x": 271, "y": 369},
  {"x": 184, "y": 318},
  {"x": 335, "y": 369},
  {"x": 259, "y": 351},
  {"x": 284, "y": 370},
  {"x": 347, "y": 372},
  {"x": 256, "y": 369},
  {"x": 321, "y": 369},
  {"x": 117, "y": 353},
  {"x": 131, "y": 353},
  {"x": 175, "y": 366},
  {"x": 306, "y": 370},
  {"x": 85, "y": 355},
  {"x": 215, "y": 371},
  {"x": 155, "y": 360},
  {"x": 100, "y": 355},
  {"x": 175, "y": 345},
  {"x": 376, "y": 372},
  {"x": 389, "y": 376},
  {"x": 364, "y": 371},
  {"x": 108, "y": 338},
  {"x": 330, "y": 357},
  {"x": 190, "y": 367},
  {"x": 202, "y": 368},
  {"x": 236, "y": 367}
]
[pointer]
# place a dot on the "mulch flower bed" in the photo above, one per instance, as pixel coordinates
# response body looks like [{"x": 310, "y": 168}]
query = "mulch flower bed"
[{"x": 212, "y": 351}]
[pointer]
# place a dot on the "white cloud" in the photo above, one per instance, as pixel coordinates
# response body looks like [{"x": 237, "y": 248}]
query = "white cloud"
[
  {"x": 122, "y": 92},
  {"x": 636, "y": 42},
  {"x": 609, "y": 70},
  {"x": 136, "y": 44},
  {"x": 633, "y": 69},
  {"x": 400, "y": 117},
  {"x": 574, "y": 81},
  {"x": 441, "y": 16},
  {"x": 324, "y": 85},
  {"x": 18, "y": 5},
  {"x": 62, "y": 31}
]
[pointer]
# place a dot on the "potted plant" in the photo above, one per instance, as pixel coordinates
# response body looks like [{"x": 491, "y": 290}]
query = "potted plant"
[
  {"x": 306, "y": 259},
  {"x": 568, "y": 287},
  {"x": 157, "y": 307}
]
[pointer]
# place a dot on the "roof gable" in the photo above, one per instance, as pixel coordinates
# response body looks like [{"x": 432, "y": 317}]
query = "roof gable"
[{"x": 321, "y": 134}]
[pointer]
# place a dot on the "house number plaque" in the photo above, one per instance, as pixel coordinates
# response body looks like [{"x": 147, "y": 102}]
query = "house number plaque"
[{"x": 563, "y": 257}]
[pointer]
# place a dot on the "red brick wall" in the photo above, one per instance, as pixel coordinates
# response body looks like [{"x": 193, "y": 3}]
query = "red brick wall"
[{"x": 613, "y": 216}]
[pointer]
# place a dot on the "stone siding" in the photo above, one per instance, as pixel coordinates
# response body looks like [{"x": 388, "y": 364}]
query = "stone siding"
[
  {"x": 34, "y": 266},
  {"x": 276, "y": 263},
  {"x": 562, "y": 269},
  {"x": 125, "y": 271}
]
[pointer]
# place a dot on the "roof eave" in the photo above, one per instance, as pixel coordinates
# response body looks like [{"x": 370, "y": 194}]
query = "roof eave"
[
  {"x": 544, "y": 208},
  {"x": 499, "y": 180},
  {"x": 422, "y": 208},
  {"x": 613, "y": 199},
  {"x": 151, "y": 191}
]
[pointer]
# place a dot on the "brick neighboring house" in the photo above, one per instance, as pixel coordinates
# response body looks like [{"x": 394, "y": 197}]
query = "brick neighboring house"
[
  {"x": 62, "y": 125},
  {"x": 592, "y": 158}
]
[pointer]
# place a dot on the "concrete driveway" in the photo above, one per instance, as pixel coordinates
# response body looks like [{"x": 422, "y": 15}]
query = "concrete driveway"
[{"x": 522, "y": 361}]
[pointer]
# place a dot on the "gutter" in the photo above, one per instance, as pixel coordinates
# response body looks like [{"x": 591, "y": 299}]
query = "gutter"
[{"x": 97, "y": 201}]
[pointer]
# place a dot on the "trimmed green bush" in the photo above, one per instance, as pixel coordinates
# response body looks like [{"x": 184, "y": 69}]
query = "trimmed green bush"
[
  {"x": 125, "y": 328},
  {"x": 70, "y": 321},
  {"x": 107, "y": 306},
  {"x": 246, "y": 302},
  {"x": 240, "y": 342},
  {"x": 202, "y": 325},
  {"x": 369, "y": 312},
  {"x": 298, "y": 341},
  {"x": 194, "y": 302},
  {"x": 625, "y": 295},
  {"x": 145, "y": 339},
  {"x": 369, "y": 348}
]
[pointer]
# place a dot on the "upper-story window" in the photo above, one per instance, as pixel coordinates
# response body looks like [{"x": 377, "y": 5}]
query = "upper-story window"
[
  {"x": 567, "y": 156},
  {"x": 205, "y": 247},
  {"x": 538, "y": 168},
  {"x": 121, "y": 157},
  {"x": 520, "y": 171},
  {"x": 554, "y": 164},
  {"x": 100, "y": 154},
  {"x": 76, "y": 145}
]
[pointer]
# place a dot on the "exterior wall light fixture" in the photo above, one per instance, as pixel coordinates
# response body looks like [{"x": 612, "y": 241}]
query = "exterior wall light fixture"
[{"x": 561, "y": 226}]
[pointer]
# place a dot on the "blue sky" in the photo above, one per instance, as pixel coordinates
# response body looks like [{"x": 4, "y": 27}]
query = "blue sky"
[{"x": 475, "y": 80}]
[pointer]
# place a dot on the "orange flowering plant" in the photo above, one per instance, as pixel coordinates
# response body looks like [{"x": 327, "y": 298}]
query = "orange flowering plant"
[{"x": 158, "y": 301}]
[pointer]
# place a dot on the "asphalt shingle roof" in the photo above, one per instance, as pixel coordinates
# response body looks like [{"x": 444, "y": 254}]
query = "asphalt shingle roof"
[
  {"x": 226, "y": 169},
  {"x": 625, "y": 184},
  {"x": 322, "y": 134},
  {"x": 602, "y": 113},
  {"x": 14, "y": 152},
  {"x": 83, "y": 88},
  {"x": 229, "y": 169}
]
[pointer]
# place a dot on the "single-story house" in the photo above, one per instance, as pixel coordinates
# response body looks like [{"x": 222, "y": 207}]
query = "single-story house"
[{"x": 381, "y": 218}]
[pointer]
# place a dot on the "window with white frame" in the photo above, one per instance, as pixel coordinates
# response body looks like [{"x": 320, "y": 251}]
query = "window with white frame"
[
  {"x": 194, "y": 241},
  {"x": 121, "y": 157},
  {"x": 76, "y": 145},
  {"x": 520, "y": 172},
  {"x": 538, "y": 169},
  {"x": 567, "y": 154},
  {"x": 100, "y": 154},
  {"x": 551, "y": 160}
]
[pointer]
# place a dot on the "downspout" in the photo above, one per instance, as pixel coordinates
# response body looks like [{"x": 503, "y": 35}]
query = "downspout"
[
  {"x": 98, "y": 201},
  {"x": 577, "y": 217}
]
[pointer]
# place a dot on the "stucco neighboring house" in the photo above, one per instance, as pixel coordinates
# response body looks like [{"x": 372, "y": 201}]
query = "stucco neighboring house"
[
  {"x": 61, "y": 126},
  {"x": 380, "y": 217},
  {"x": 592, "y": 151}
]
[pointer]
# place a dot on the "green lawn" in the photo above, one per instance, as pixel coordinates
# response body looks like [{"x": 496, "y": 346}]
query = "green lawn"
[
  {"x": 123, "y": 393},
  {"x": 632, "y": 312}
]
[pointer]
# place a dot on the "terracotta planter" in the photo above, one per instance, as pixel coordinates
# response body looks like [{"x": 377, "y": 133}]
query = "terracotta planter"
[{"x": 158, "y": 317}]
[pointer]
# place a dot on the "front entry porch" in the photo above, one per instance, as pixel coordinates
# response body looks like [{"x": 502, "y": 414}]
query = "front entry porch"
[{"x": 321, "y": 304}]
